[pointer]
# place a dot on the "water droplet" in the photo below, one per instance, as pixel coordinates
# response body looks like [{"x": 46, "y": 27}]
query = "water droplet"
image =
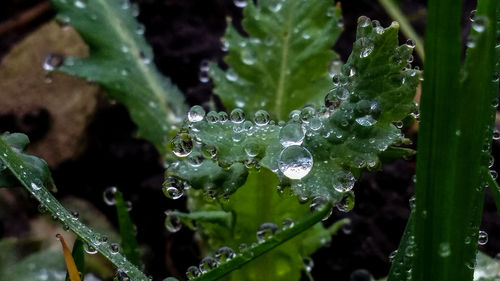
[
  {"x": 170, "y": 279},
  {"x": 261, "y": 118},
  {"x": 80, "y": 4},
  {"x": 52, "y": 62},
  {"x": 140, "y": 29},
  {"x": 482, "y": 238},
  {"x": 295, "y": 162},
  {"x": 181, "y": 145},
  {"x": 335, "y": 68},
  {"x": 89, "y": 249},
  {"x": 494, "y": 174},
  {"x": 347, "y": 228},
  {"x": 173, "y": 188},
  {"x": 209, "y": 151},
  {"x": 366, "y": 121},
  {"x": 410, "y": 43},
  {"x": 121, "y": 275},
  {"x": 398, "y": 124},
  {"x": 172, "y": 221},
  {"x": 237, "y": 115},
  {"x": 115, "y": 248},
  {"x": 392, "y": 255},
  {"x": 496, "y": 134},
  {"x": 212, "y": 117},
  {"x": 109, "y": 195},
  {"x": 287, "y": 223},
  {"x": 343, "y": 180},
  {"x": 240, "y": 3},
  {"x": 364, "y": 21},
  {"x": 224, "y": 254},
  {"x": 307, "y": 114},
  {"x": 266, "y": 231},
  {"x": 196, "y": 114},
  {"x": 223, "y": 117},
  {"x": 479, "y": 23},
  {"x": 207, "y": 263},
  {"x": 315, "y": 124},
  {"x": 275, "y": 5},
  {"x": 308, "y": 264},
  {"x": 362, "y": 275},
  {"x": 36, "y": 185},
  {"x": 472, "y": 15},
  {"x": 248, "y": 56},
  {"x": 366, "y": 46},
  {"x": 444, "y": 249},
  {"x": 231, "y": 75},
  {"x": 252, "y": 149},
  {"x": 292, "y": 134},
  {"x": 192, "y": 272},
  {"x": 347, "y": 203},
  {"x": 204, "y": 77}
]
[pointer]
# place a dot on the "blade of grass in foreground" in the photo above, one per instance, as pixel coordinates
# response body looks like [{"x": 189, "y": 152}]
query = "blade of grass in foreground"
[
  {"x": 455, "y": 123},
  {"x": 127, "y": 231},
  {"x": 29, "y": 180}
]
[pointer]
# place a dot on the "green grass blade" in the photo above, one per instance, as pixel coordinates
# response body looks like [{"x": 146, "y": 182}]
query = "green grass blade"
[
  {"x": 127, "y": 231},
  {"x": 261, "y": 248},
  {"x": 455, "y": 125},
  {"x": 32, "y": 183},
  {"x": 121, "y": 61},
  {"x": 78, "y": 256},
  {"x": 403, "y": 259}
]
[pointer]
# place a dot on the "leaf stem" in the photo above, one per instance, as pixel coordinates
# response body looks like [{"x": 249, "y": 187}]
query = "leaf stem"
[{"x": 279, "y": 238}]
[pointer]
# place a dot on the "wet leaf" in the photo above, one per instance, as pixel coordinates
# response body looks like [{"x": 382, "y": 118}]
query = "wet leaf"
[{"x": 121, "y": 61}]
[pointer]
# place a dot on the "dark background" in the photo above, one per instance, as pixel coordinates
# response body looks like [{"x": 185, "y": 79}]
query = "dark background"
[{"x": 182, "y": 33}]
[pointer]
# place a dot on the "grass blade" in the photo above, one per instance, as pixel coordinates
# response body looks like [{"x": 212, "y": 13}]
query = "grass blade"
[
  {"x": 259, "y": 249},
  {"x": 494, "y": 188},
  {"x": 456, "y": 122},
  {"x": 18, "y": 167},
  {"x": 127, "y": 231}
]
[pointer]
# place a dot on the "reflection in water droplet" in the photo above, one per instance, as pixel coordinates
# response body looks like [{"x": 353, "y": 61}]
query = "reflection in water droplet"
[
  {"x": 292, "y": 134},
  {"x": 109, "y": 195},
  {"x": 207, "y": 263},
  {"x": 295, "y": 162},
  {"x": 196, "y": 114},
  {"x": 172, "y": 222},
  {"x": 266, "y": 231}
]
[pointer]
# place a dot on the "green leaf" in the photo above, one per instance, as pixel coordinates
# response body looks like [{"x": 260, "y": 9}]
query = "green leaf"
[
  {"x": 328, "y": 145},
  {"x": 36, "y": 186},
  {"x": 38, "y": 166},
  {"x": 283, "y": 63},
  {"x": 120, "y": 60},
  {"x": 453, "y": 147},
  {"x": 127, "y": 231},
  {"x": 402, "y": 259}
]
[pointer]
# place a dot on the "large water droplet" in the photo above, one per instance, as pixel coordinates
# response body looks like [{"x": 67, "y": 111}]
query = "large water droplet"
[
  {"x": 295, "y": 162},
  {"x": 224, "y": 254},
  {"x": 248, "y": 56},
  {"x": 482, "y": 238},
  {"x": 266, "y": 231},
  {"x": 364, "y": 21},
  {"x": 196, "y": 114},
  {"x": 207, "y": 263},
  {"x": 109, "y": 195},
  {"x": 347, "y": 203},
  {"x": 261, "y": 118},
  {"x": 173, "y": 188},
  {"x": 192, "y": 272},
  {"x": 89, "y": 249},
  {"x": 172, "y": 221},
  {"x": 181, "y": 145},
  {"x": 292, "y": 134},
  {"x": 343, "y": 181},
  {"x": 237, "y": 115},
  {"x": 287, "y": 223}
]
